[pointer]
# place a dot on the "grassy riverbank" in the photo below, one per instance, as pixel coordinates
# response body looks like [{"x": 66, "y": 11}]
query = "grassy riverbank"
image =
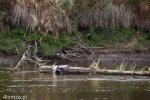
[
  {"x": 16, "y": 40},
  {"x": 69, "y": 25}
]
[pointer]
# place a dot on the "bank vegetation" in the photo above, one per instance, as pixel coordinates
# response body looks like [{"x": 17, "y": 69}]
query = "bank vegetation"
[{"x": 58, "y": 25}]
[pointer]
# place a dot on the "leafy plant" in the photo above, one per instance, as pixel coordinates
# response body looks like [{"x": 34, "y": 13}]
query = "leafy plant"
[
  {"x": 47, "y": 49},
  {"x": 50, "y": 45},
  {"x": 145, "y": 39},
  {"x": 94, "y": 39}
]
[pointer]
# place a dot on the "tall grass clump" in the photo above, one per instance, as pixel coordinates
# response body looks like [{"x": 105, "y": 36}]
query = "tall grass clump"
[
  {"x": 108, "y": 17},
  {"x": 42, "y": 15},
  {"x": 113, "y": 13}
]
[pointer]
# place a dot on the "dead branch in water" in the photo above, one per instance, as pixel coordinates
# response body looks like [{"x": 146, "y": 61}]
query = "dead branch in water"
[
  {"x": 74, "y": 53},
  {"x": 20, "y": 62},
  {"x": 30, "y": 55},
  {"x": 70, "y": 54}
]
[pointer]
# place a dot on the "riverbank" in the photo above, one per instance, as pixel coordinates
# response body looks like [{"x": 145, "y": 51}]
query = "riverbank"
[
  {"x": 111, "y": 59},
  {"x": 108, "y": 59},
  {"x": 90, "y": 36}
]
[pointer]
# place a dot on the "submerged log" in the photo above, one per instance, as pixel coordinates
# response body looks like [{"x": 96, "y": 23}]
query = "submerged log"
[{"x": 80, "y": 70}]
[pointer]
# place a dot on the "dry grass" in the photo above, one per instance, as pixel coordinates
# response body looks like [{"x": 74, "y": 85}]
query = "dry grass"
[
  {"x": 106, "y": 18},
  {"x": 42, "y": 15},
  {"x": 52, "y": 15},
  {"x": 124, "y": 66},
  {"x": 114, "y": 13},
  {"x": 95, "y": 64}
]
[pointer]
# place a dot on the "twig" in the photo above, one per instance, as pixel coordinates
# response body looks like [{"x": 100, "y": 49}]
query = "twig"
[{"x": 63, "y": 56}]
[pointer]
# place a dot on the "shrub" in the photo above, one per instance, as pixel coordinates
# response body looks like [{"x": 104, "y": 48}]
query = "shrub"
[
  {"x": 50, "y": 45},
  {"x": 94, "y": 40}
]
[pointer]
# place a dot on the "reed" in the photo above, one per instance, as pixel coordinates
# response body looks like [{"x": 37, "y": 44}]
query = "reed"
[
  {"x": 43, "y": 15},
  {"x": 55, "y": 15},
  {"x": 113, "y": 13},
  {"x": 95, "y": 64},
  {"x": 107, "y": 18}
]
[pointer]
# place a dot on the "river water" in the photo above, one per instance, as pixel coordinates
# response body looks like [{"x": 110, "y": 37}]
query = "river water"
[{"x": 31, "y": 85}]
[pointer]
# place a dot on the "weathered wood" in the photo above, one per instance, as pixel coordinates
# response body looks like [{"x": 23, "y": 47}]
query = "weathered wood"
[
  {"x": 19, "y": 63},
  {"x": 80, "y": 70},
  {"x": 30, "y": 56}
]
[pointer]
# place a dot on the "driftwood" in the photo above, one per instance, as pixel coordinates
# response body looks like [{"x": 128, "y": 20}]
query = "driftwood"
[
  {"x": 70, "y": 54},
  {"x": 20, "y": 62},
  {"x": 30, "y": 56},
  {"x": 73, "y": 53},
  {"x": 80, "y": 70}
]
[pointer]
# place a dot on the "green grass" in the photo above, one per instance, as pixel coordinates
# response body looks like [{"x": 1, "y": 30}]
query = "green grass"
[
  {"x": 12, "y": 46},
  {"x": 92, "y": 38},
  {"x": 13, "y": 41},
  {"x": 96, "y": 37},
  {"x": 16, "y": 41},
  {"x": 1, "y": 13},
  {"x": 50, "y": 45},
  {"x": 144, "y": 40}
]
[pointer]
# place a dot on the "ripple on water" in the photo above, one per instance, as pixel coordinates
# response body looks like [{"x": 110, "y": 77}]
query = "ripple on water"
[
  {"x": 120, "y": 79},
  {"x": 20, "y": 86}
]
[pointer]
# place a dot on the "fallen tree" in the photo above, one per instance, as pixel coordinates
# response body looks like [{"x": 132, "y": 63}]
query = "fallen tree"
[
  {"x": 70, "y": 54},
  {"x": 80, "y": 70},
  {"x": 31, "y": 56},
  {"x": 65, "y": 69}
]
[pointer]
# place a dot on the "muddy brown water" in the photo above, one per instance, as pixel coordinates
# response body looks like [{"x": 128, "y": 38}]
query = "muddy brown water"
[
  {"x": 37, "y": 86},
  {"x": 28, "y": 84}
]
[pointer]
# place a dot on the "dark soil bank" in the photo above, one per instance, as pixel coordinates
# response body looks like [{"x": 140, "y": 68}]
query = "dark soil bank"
[
  {"x": 113, "y": 60},
  {"x": 8, "y": 60},
  {"x": 108, "y": 58}
]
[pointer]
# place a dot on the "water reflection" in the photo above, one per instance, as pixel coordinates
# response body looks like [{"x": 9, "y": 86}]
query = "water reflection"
[{"x": 37, "y": 86}]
